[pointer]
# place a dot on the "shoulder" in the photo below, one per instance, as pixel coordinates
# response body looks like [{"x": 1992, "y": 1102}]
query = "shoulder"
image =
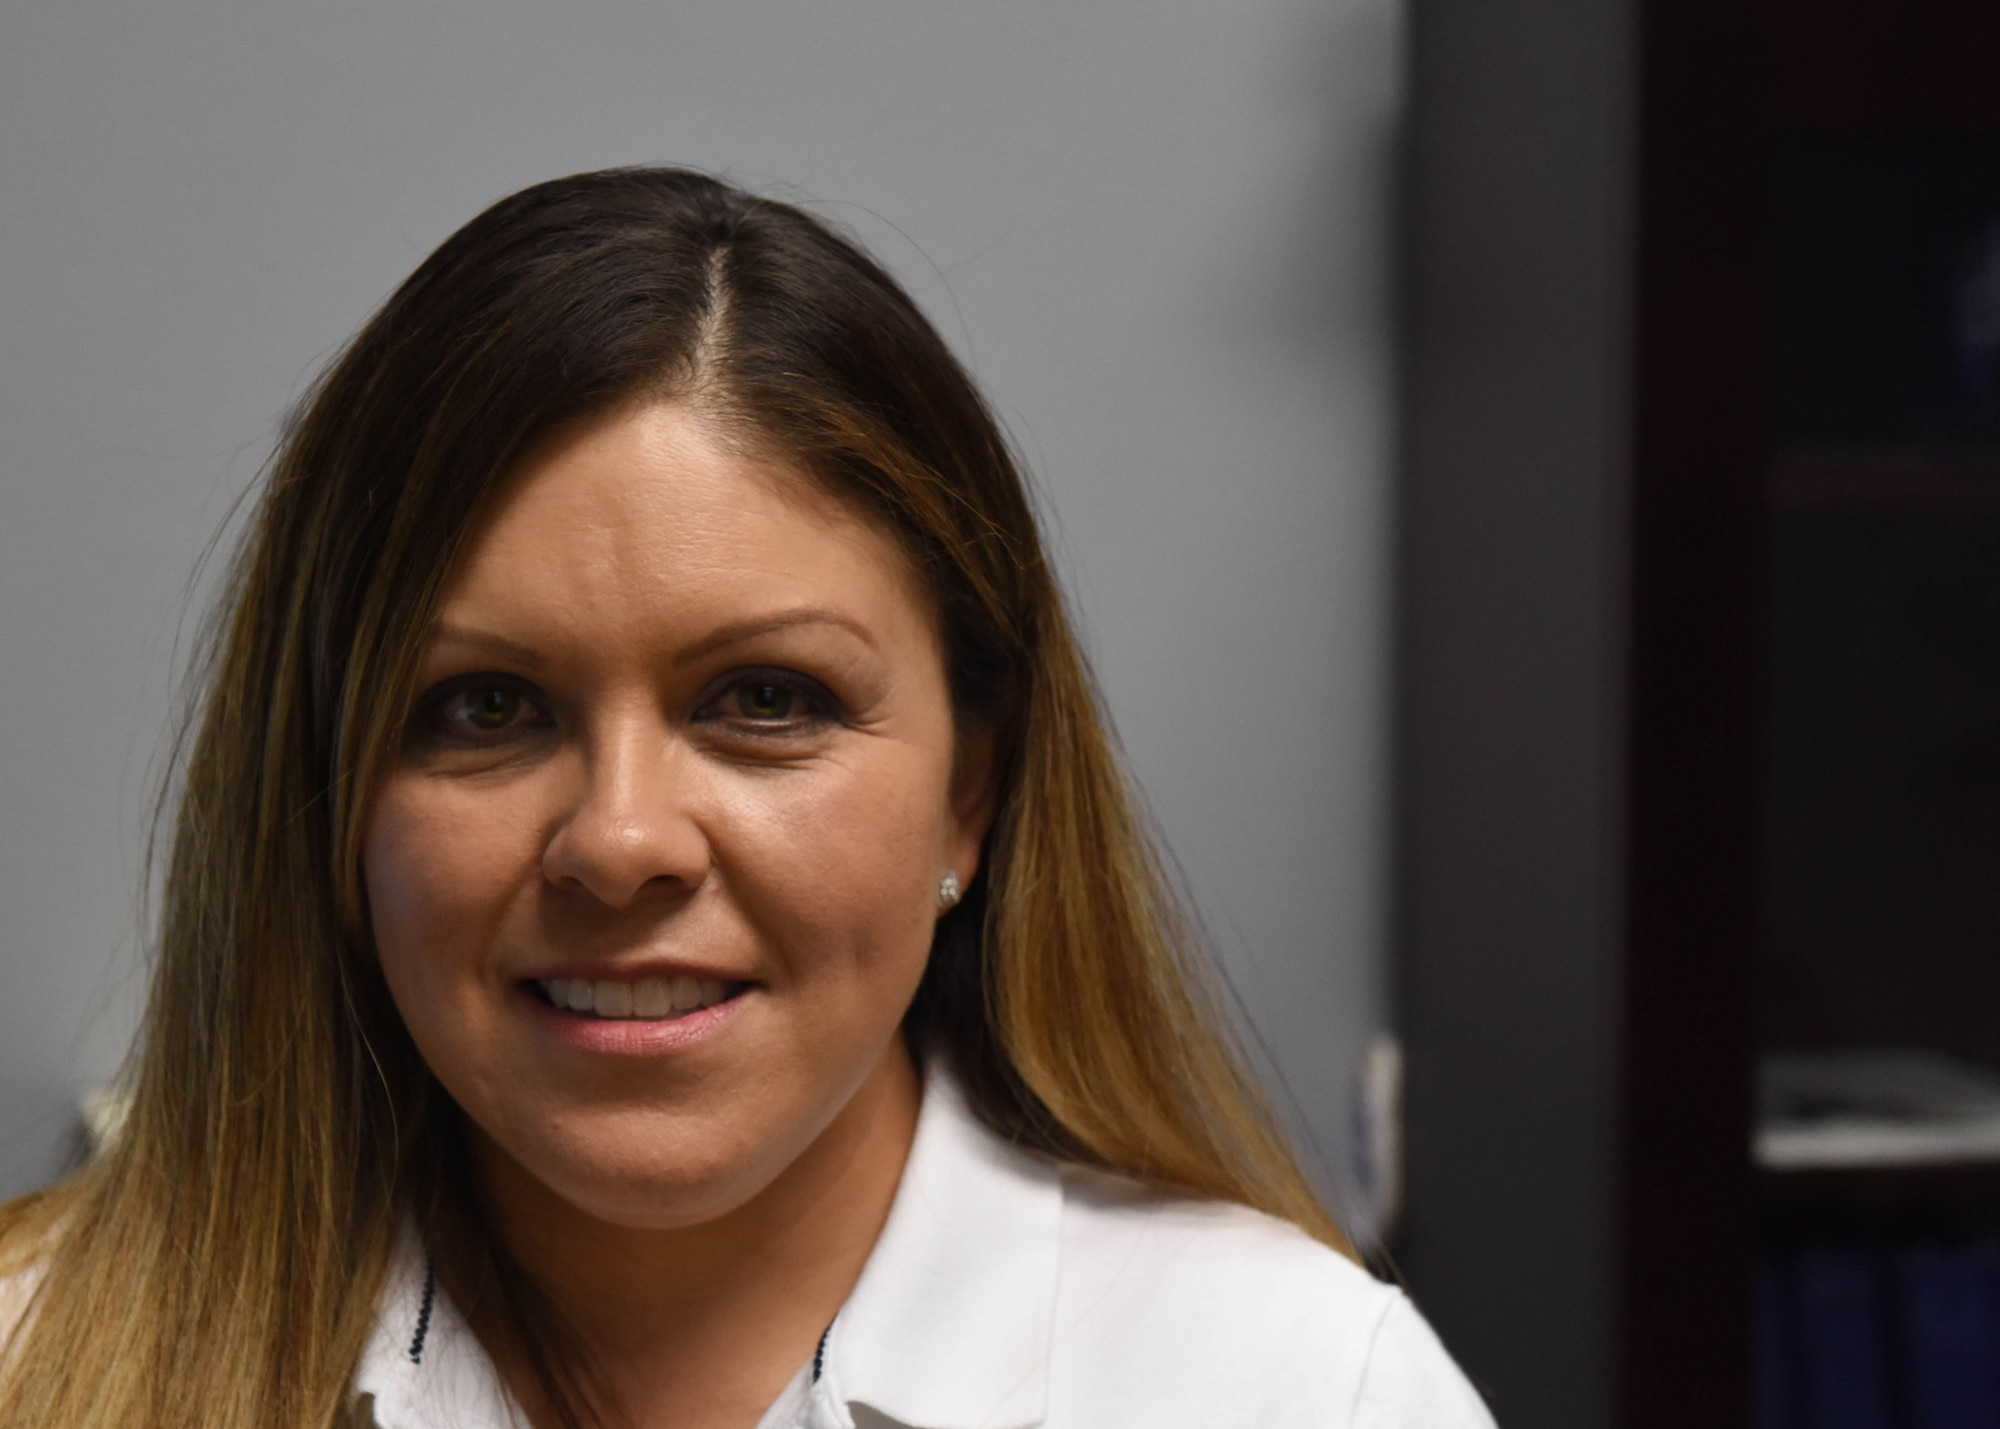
[{"x": 1224, "y": 1315}]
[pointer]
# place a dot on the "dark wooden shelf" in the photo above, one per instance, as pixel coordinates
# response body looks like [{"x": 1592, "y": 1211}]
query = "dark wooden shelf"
[
  {"x": 1891, "y": 1208},
  {"x": 1970, "y": 1181},
  {"x": 1883, "y": 63},
  {"x": 1905, "y": 478}
]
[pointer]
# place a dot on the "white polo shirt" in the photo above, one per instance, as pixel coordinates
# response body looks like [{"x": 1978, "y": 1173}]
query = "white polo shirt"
[{"x": 1008, "y": 1291}]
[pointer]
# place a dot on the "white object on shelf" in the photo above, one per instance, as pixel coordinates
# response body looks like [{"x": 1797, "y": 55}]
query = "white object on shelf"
[
  {"x": 102, "y": 1111},
  {"x": 1831, "y": 1110},
  {"x": 1378, "y": 1144}
]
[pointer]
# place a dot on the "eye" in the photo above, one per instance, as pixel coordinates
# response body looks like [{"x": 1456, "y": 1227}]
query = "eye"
[
  {"x": 768, "y": 702},
  {"x": 765, "y": 700},
  {"x": 486, "y": 710},
  {"x": 479, "y": 709}
]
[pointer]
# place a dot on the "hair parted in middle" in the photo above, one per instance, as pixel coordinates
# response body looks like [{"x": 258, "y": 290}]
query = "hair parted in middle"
[{"x": 218, "y": 1265}]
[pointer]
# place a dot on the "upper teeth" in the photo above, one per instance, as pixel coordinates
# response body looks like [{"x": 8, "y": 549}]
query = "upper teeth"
[{"x": 653, "y": 997}]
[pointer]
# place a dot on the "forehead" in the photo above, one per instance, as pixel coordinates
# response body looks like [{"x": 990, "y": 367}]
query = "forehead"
[{"x": 654, "y": 514}]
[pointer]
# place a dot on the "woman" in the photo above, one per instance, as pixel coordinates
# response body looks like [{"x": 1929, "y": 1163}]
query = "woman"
[{"x": 655, "y": 933}]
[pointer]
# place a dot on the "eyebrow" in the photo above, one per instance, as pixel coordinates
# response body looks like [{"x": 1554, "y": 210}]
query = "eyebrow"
[
  {"x": 732, "y": 634},
  {"x": 739, "y": 631},
  {"x": 500, "y": 645}
]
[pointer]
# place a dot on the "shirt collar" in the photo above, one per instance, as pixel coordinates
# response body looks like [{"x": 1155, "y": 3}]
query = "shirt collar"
[
  {"x": 951, "y": 1323},
  {"x": 949, "y": 1327},
  {"x": 423, "y": 1367}
]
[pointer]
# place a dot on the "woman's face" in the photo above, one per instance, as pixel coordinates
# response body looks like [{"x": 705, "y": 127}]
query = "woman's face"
[{"x": 655, "y": 873}]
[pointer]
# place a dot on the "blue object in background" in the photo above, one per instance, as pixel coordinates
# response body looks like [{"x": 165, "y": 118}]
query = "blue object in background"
[
  {"x": 1950, "y": 1340},
  {"x": 1843, "y": 1342},
  {"x": 1777, "y": 1392}
]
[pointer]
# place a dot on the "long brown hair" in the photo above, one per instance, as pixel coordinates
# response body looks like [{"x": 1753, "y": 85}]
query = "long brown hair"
[{"x": 219, "y": 1264}]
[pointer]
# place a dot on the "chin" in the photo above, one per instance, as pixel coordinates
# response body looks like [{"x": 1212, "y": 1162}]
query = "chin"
[
  {"x": 650, "y": 1177},
  {"x": 671, "y": 1197}
]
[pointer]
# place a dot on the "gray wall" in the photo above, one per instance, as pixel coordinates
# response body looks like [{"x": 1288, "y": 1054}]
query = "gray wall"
[{"x": 1156, "y": 229}]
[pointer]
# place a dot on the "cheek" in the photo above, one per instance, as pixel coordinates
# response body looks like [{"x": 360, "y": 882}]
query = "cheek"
[
  {"x": 844, "y": 872},
  {"x": 441, "y": 870}
]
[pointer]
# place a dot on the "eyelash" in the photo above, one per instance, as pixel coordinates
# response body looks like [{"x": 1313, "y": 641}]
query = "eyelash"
[
  {"x": 437, "y": 722},
  {"x": 816, "y": 706}
]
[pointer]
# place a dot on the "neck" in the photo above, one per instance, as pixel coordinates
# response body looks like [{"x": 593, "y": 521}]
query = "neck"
[{"x": 705, "y": 1324}]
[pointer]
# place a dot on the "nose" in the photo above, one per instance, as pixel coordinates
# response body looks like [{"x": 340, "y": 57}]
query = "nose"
[{"x": 632, "y": 829}]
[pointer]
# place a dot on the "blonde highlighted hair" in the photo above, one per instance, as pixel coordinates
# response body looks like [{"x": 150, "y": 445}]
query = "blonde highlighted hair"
[{"x": 218, "y": 1265}]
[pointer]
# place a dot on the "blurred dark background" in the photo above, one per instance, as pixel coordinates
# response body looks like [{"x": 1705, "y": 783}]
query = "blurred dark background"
[{"x": 1700, "y": 876}]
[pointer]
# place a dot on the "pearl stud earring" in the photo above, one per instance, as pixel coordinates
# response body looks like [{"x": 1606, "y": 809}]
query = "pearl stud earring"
[{"x": 949, "y": 892}]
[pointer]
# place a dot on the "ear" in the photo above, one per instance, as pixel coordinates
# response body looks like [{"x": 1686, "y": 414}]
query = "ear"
[{"x": 975, "y": 796}]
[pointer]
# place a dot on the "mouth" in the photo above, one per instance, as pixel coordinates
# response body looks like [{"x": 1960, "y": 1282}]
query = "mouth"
[{"x": 653, "y": 999}]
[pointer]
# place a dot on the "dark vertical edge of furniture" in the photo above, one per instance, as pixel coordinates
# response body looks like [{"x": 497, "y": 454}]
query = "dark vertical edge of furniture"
[
  {"x": 1696, "y": 523},
  {"x": 1515, "y": 440}
]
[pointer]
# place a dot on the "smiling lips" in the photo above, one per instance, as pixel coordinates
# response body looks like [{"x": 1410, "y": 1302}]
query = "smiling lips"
[{"x": 653, "y": 999}]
